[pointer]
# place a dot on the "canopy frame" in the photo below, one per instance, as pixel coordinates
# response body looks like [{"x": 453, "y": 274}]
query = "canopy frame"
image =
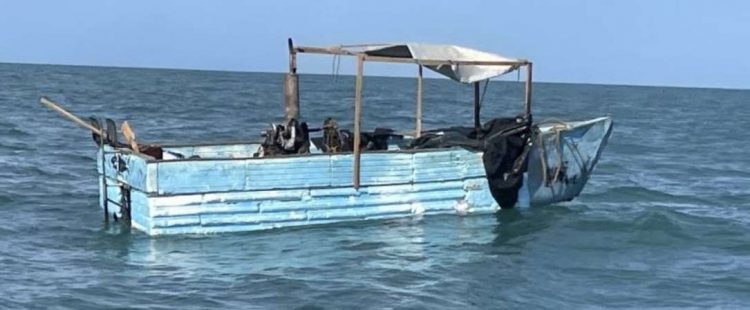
[{"x": 292, "y": 105}]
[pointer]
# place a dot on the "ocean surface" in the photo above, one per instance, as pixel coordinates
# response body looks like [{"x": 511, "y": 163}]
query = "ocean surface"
[{"x": 663, "y": 222}]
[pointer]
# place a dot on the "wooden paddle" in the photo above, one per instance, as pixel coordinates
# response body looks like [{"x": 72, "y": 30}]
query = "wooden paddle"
[
  {"x": 59, "y": 109},
  {"x": 152, "y": 150},
  {"x": 129, "y": 136}
]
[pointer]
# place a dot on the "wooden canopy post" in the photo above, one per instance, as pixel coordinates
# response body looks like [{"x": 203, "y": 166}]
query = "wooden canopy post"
[
  {"x": 477, "y": 121},
  {"x": 291, "y": 86},
  {"x": 419, "y": 103},
  {"x": 358, "y": 119},
  {"x": 527, "y": 103}
]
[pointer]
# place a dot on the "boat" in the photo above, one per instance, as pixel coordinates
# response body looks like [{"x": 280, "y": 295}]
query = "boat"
[{"x": 296, "y": 175}]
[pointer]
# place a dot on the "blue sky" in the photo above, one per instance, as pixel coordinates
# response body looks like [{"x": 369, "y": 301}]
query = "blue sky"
[{"x": 656, "y": 42}]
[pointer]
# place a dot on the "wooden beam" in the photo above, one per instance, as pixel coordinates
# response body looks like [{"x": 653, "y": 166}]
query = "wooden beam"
[
  {"x": 477, "y": 107},
  {"x": 292, "y": 57},
  {"x": 419, "y": 102},
  {"x": 291, "y": 96},
  {"x": 291, "y": 86},
  {"x": 527, "y": 103},
  {"x": 324, "y": 50},
  {"x": 358, "y": 120}
]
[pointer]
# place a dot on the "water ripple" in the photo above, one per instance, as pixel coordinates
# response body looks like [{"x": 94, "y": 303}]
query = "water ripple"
[{"x": 663, "y": 222}]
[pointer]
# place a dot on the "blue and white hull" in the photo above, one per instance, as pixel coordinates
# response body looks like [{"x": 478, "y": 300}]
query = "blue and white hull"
[{"x": 227, "y": 190}]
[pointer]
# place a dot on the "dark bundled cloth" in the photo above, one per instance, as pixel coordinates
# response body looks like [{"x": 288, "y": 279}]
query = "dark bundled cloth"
[{"x": 505, "y": 142}]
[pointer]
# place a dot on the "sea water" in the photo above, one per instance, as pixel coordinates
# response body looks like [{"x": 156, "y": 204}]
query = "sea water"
[{"x": 663, "y": 222}]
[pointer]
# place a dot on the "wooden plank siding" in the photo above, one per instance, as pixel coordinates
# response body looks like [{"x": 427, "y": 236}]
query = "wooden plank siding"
[{"x": 223, "y": 195}]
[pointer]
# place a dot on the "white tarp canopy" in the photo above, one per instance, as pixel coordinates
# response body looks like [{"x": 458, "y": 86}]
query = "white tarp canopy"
[{"x": 441, "y": 52}]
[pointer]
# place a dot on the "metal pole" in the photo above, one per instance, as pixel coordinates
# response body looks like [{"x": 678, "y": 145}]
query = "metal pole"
[
  {"x": 477, "y": 121},
  {"x": 357, "y": 119},
  {"x": 419, "y": 103},
  {"x": 104, "y": 180},
  {"x": 527, "y": 104}
]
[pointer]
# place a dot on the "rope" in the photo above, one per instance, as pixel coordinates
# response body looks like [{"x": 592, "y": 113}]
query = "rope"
[
  {"x": 335, "y": 66},
  {"x": 543, "y": 156},
  {"x": 481, "y": 99},
  {"x": 582, "y": 163},
  {"x": 553, "y": 120},
  {"x": 559, "y": 155}
]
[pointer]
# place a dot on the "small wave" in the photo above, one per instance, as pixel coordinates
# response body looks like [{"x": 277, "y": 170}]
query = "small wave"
[
  {"x": 659, "y": 220},
  {"x": 13, "y": 133},
  {"x": 738, "y": 199},
  {"x": 641, "y": 194},
  {"x": 670, "y": 224},
  {"x": 364, "y": 246},
  {"x": 5, "y": 199},
  {"x": 18, "y": 147},
  {"x": 77, "y": 157},
  {"x": 661, "y": 228}
]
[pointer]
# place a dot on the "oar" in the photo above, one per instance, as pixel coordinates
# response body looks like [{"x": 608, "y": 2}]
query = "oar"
[
  {"x": 59, "y": 109},
  {"x": 129, "y": 136}
]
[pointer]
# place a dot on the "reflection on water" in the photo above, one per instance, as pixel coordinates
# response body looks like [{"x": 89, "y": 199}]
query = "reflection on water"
[
  {"x": 516, "y": 226},
  {"x": 410, "y": 244}
]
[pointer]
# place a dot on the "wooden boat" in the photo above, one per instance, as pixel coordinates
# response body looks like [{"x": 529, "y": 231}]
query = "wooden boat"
[{"x": 213, "y": 188}]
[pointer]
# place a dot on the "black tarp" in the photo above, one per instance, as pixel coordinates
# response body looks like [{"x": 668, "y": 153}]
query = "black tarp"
[{"x": 505, "y": 143}]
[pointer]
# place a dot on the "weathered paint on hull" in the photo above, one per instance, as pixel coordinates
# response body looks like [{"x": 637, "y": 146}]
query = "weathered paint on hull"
[
  {"x": 234, "y": 193},
  {"x": 581, "y": 144}
]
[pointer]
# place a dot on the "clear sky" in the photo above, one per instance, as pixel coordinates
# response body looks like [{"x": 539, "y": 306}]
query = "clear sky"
[{"x": 643, "y": 42}]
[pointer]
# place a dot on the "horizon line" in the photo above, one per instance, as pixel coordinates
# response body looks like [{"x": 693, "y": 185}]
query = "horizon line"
[{"x": 352, "y": 75}]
